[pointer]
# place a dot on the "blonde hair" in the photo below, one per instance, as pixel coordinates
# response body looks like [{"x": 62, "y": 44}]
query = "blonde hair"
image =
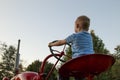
[{"x": 85, "y": 22}]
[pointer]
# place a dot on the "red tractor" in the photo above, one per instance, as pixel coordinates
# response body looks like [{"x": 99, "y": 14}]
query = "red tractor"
[{"x": 85, "y": 66}]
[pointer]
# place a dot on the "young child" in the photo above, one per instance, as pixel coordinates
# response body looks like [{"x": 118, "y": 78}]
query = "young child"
[{"x": 81, "y": 40}]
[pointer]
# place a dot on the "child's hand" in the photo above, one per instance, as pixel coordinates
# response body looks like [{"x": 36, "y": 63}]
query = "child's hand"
[{"x": 50, "y": 44}]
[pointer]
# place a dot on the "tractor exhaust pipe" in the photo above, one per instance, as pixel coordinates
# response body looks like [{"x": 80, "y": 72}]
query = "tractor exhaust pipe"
[{"x": 17, "y": 59}]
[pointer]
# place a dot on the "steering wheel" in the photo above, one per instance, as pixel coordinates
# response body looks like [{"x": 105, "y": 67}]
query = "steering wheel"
[{"x": 62, "y": 53}]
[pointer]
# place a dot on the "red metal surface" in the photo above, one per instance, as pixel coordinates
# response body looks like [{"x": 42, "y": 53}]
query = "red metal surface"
[
  {"x": 25, "y": 76},
  {"x": 41, "y": 72},
  {"x": 5, "y": 78},
  {"x": 34, "y": 75},
  {"x": 87, "y": 66},
  {"x": 44, "y": 62},
  {"x": 52, "y": 70}
]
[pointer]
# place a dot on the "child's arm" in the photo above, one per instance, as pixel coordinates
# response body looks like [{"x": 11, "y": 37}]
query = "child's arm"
[{"x": 58, "y": 43}]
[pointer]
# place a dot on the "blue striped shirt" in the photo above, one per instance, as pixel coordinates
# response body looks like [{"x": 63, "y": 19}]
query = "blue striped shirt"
[{"x": 81, "y": 43}]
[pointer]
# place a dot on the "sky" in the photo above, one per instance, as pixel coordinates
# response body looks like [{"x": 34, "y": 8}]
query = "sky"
[{"x": 38, "y": 22}]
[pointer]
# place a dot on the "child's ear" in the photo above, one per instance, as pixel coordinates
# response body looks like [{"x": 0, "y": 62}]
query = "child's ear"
[{"x": 77, "y": 26}]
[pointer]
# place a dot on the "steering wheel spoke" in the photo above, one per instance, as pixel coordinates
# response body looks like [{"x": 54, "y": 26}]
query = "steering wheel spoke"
[{"x": 59, "y": 52}]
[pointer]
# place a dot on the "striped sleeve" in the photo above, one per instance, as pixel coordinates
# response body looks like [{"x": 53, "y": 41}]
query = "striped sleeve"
[{"x": 70, "y": 38}]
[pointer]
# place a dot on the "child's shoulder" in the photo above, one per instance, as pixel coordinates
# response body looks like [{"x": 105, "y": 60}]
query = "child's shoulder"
[{"x": 80, "y": 33}]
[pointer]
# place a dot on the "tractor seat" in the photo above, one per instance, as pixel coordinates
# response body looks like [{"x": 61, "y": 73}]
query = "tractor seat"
[{"x": 87, "y": 65}]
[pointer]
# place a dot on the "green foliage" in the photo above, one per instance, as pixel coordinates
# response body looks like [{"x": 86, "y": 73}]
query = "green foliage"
[
  {"x": 36, "y": 65},
  {"x": 21, "y": 68},
  {"x": 117, "y": 52},
  {"x": 68, "y": 53},
  {"x": 8, "y": 60},
  {"x": 99, "y": 46},
  {"x": 116, "y": 66}
]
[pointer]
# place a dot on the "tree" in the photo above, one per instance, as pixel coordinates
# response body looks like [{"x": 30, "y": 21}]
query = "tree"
[
  {"x": 36, "y": 65},
  {"x": 117, "y": 52},
  {"x": 68, "y": 53},
  {"x": 8, "y": 60},
  {"x": 99, "y": 46},
  {"x": 116, "y": 67},
  {"x": 21, "y": 68},
  {"x": 114, "y": 72}
]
